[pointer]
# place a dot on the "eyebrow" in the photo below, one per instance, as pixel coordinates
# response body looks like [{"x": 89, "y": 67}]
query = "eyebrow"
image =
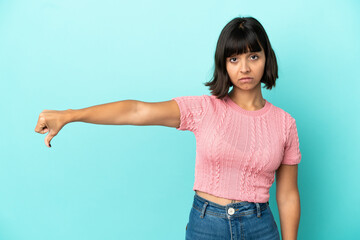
[{"x": 248, "y": 53}]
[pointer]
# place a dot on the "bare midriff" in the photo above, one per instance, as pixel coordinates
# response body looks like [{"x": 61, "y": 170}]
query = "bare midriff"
[{"x": 215, "y": 199}]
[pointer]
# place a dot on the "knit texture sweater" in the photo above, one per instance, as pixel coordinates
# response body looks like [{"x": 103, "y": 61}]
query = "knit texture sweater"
[{"x": 237, "y": 150}]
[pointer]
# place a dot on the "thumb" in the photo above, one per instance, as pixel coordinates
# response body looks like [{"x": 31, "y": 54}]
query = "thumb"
[{"x": 48, "y": 138}]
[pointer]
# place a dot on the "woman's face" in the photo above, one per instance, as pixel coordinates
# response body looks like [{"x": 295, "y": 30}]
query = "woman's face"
[{"x": 250, "y": 64}]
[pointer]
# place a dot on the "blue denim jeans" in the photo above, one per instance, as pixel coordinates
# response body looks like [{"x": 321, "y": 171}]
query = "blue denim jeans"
[{"x": 235, "y": 221}]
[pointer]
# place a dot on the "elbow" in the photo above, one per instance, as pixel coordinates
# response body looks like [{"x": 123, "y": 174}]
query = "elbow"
[
  {"x": 288, "y": 197},
  {"x": 134, "y": 117}
]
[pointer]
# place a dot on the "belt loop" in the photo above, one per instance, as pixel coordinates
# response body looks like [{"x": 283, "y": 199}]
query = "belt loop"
[
  {"x": 258, "y": 209},
  {"x": 203, "y": 210}
]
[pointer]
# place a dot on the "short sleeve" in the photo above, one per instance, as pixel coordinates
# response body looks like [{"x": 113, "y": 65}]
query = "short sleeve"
[
  {"x": 192, "y": 110},
  {"x": 292, "y": 154}
]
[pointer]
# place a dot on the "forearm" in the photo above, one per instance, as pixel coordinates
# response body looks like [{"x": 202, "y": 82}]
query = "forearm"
[
  {"x": 114, "y": 113},
  {"x": 289, "y": 211}
]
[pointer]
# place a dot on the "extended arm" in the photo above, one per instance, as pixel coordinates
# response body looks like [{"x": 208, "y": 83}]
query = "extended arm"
[{"x": 126, "y": 112}]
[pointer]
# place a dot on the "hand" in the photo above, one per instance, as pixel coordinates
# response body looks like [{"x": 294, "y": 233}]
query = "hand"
[{"x": 51, "y": 121}]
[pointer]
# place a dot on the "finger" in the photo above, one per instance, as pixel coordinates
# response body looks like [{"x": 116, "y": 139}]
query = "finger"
[
  {"x": 41, "y": 125},
  {"x": 48, "y": 139},
  {"x": 45, "y": 130}
]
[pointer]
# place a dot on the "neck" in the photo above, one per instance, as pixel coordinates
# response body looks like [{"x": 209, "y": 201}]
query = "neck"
[{"x": 247, "y": 100}]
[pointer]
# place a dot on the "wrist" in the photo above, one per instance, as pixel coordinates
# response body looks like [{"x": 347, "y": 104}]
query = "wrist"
[{"x": 69, "y": 116}]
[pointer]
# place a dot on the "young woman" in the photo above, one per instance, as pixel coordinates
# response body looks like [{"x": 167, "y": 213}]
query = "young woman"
[{"x": 241, "y": 140}]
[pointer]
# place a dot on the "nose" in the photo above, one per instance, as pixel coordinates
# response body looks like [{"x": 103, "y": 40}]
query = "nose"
[{"x": 244, "y": 66}]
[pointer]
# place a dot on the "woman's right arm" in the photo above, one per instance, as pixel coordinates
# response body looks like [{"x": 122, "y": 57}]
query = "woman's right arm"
[{"x": 126, "y": 112}]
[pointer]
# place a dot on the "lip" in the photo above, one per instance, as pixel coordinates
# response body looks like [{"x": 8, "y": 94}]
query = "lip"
[{"x": 245, "y": 79}]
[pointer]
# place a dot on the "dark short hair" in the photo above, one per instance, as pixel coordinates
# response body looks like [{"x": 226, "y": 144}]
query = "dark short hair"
[{"x": 239, "y": 36}]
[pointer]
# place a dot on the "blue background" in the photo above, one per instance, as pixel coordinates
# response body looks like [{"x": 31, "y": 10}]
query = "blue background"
[{"x": 135, "y": 182}]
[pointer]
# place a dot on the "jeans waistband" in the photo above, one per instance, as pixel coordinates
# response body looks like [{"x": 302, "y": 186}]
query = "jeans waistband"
[{"x": 230, "y": 210}]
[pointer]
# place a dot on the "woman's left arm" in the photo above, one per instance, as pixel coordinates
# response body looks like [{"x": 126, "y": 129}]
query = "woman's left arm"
[{"x": 288, "y": 200}]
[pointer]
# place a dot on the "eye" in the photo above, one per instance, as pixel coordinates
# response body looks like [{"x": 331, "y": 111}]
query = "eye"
[
  {"x": 232, "y": 61},
  {"x": 232, "y": 58}
]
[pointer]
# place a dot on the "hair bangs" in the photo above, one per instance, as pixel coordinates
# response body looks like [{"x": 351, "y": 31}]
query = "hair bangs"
[{"x": 241, "y": 41}]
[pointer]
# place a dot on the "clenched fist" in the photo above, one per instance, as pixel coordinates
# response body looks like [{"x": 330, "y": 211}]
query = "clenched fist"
[{"x": 51, "y": 121}]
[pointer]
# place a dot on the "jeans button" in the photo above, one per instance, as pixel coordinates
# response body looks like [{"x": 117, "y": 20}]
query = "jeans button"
[{"x": 231, "y": 211}]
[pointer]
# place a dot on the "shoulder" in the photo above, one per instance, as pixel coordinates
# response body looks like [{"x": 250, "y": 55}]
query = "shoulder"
[
  {"x": 213, "y": 99},
  {"x": 193, "y": 102},
  {"x": 205, "y": 99},
  {"x": 287, "y": 119},
  {"x": 284, "y": 115}
]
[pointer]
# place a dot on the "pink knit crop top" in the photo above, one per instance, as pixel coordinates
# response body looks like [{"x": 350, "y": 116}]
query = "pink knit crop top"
[{"x": 238, "y": 151}]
